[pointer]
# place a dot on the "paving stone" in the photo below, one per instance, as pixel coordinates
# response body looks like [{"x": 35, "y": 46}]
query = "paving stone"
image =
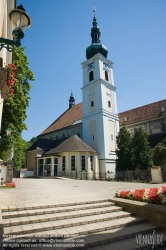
[
  {"x": 28, "y": 206},
  {"x": 17, "y": 229},
  {"x": 33, "y": 219},
  {"x": 92, "y": 228},
  {"x": 27, "y": 228},
  {"x": 7, "y": 230},
  {"x": 6, "y": 214},
  {"x": 38, "y": 211},
  {"x": 22, "y": 213},
  {"x": 56, "y": 224},
  {"x": 42, "y": 217},
  {"x": 4, "y": 208},
  {"x": 38, "y": 226},
  {"x": 19, "y": 207},
  {"x": 61, "y": 232},
  {"x": 71, "y": 230},
  {"x": 47, "y": 225},
  {"x": 23, "y": 220},
  {"x": 6, "y": 222}
]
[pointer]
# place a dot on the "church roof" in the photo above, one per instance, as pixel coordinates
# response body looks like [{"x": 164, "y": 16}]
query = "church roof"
[
  {"x": 73, "y": 116},
  {"x": 143, "y": 113},
  {"x": 45, "y": 144},
  {"x": 68, "y": 118},
  {"x": 72, "y": 144}
]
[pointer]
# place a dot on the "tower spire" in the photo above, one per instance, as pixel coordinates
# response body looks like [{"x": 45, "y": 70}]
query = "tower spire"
[
  {"x": 71, "y": 101},
  {"x": 95, "y": 31},
  {"x": 96, "y": 46}
]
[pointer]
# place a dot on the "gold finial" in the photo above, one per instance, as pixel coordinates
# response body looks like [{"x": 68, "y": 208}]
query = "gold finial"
[{"x": 94, "y": 9}]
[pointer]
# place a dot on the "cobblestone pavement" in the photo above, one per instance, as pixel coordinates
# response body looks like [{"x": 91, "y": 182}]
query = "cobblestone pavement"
[{"x": 32, "y": 191}]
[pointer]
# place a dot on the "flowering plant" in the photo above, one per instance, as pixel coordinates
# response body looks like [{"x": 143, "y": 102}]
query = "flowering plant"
[
  {"x": 11, "y": 185},
  {"x": 11, "y": 78},
  {"x": 150, "y": 195}
]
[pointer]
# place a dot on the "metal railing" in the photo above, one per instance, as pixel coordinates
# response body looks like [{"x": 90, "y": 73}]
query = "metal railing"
[{"x": 137, "y": 175}]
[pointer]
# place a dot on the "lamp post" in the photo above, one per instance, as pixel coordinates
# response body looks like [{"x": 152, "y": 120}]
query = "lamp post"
[
  {"x": 1, "y": 179},
  {"x": 20, "y": 21}
]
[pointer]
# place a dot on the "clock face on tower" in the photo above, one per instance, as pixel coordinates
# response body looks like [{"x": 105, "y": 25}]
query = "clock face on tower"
[
  {"x": 105, "y": 65},
  {"x": 90, "y": 66}
]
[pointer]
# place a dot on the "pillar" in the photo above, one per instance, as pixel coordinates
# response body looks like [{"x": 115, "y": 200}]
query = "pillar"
[{"x": 9, "y": 174}]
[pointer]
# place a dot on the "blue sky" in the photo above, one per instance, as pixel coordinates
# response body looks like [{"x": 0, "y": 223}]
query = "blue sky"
[{"x": 133, "y": 32}]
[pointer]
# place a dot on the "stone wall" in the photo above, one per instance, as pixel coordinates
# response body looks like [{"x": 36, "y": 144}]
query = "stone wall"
[{"x": 150, "y": 127}]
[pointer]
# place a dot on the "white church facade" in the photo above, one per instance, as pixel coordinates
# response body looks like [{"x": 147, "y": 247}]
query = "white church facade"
[{"x": 83, "y": 138}]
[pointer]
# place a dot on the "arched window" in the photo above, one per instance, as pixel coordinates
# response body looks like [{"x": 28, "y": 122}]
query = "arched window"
[
  {"x": 106, "y": 75},
  {"x": 91, "y": 76},
  {"x": 109, "y": 104},
  {"x": 92, "y": 103},
  {"x": 63, "y": 136}
]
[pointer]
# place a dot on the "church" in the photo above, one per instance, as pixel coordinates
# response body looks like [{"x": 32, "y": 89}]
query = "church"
[
  {"x": 82, "y": 141},
  {"x": 83, "y": 138}
]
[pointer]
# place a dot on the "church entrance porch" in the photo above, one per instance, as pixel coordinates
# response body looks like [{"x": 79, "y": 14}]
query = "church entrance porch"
[{"x": 47, "y": 167}]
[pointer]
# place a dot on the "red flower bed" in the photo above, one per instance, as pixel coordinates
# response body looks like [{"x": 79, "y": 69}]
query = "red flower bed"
[
  {"x": 153, "y": 195},
  {"x": 138, "y": 194},
  {"x": 124, "y": 194},
  {"x": 150, "y": 195},
  {"x": 11, "y": 185}
]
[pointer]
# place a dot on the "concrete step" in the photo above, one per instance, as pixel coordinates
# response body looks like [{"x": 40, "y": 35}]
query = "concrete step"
[
  {"x": 128, "y": 243},
  {"x": 20, "y": 207},
  {"x": 37, "y": 211},
  {"x": 108, "y": 239},
  {"x": 101, "y": 224},
  {"x": 46, "y": 224},
  {"x": 60, "y": 216}
]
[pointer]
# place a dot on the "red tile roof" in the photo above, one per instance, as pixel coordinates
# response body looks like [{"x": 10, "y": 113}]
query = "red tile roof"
[
  {"x": 147, "y": 112},
  {"x": 66, "y": 119}
]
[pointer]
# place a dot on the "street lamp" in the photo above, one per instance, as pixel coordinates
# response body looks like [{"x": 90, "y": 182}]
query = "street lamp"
[{"x": 20, "y": 21}]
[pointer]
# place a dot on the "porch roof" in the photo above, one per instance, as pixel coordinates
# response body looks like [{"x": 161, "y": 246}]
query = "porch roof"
[{"x": 72, "y": 144}]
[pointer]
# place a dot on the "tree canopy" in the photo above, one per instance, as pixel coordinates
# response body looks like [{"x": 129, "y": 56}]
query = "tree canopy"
[
  {"x": 141, "y": 153},
  {"x": 133, "y": 152},
  {"x": 159, "y": 153},
  {"x": 123, "y": 140},
  {"x": 15, "y": 106}
]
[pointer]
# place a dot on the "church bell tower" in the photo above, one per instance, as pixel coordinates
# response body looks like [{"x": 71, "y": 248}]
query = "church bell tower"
[{"x": 100, "y": 116}]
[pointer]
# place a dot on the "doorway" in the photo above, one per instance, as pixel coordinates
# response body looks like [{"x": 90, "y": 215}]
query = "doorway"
[{"x": 55, "y": 166}]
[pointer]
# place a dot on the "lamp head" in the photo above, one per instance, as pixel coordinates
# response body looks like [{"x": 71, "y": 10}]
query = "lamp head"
[{"x": 20, "y": 21}]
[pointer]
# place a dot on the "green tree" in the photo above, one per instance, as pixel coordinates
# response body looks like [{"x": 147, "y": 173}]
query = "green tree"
[
  {"x": 159, "y": 153},
  {"x": 141, "y": 153},
  {"x": 14, "y": 110},
  {"x": 123, "y": 151},
  {"x": 32, "y": 141}
]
